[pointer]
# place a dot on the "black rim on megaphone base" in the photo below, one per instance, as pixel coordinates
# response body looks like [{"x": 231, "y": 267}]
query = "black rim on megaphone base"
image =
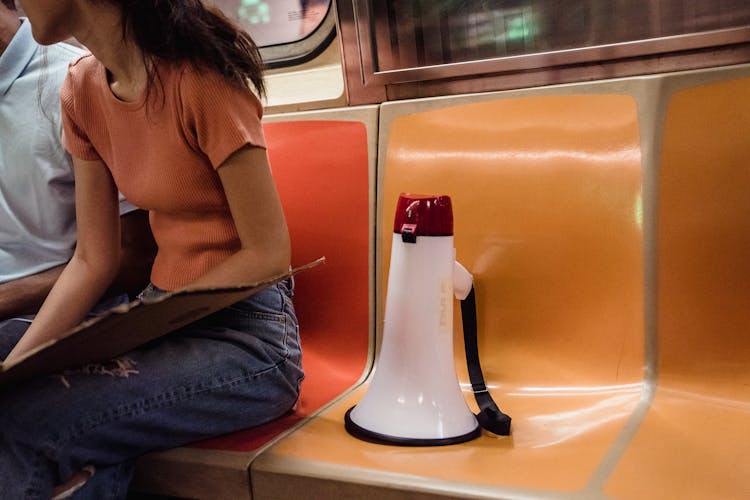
[{"x": 376, "y": 437}]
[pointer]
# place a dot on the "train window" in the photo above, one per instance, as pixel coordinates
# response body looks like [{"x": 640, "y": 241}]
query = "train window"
[
  {"x": 407, "y": 40},
  {"x": 287, "y": 31}
]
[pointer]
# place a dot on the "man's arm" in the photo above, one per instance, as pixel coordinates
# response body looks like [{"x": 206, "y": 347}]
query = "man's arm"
[
  {"x": 138, "y": 252},
  {"x": 26, "y": 295}
]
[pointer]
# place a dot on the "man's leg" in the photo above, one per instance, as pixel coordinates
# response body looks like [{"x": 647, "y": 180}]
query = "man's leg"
[{"x": 11, "y": 331}]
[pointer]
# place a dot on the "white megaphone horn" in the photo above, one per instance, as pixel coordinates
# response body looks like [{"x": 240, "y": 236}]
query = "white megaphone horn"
[{"x": 414, "y": 398}]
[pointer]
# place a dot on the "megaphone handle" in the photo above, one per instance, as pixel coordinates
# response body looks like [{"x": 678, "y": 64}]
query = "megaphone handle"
[{"x": 490, "y": 416}]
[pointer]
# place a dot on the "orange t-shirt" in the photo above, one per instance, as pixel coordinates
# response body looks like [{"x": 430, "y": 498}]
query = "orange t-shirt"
[{"x": 163, "y": 157}]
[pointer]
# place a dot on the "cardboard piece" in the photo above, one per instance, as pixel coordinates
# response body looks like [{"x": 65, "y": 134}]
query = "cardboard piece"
[{"x": 128, "y": 326}]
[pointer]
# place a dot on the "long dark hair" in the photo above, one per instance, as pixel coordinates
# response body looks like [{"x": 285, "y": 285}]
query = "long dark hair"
[{"x": 188, "y": 30}]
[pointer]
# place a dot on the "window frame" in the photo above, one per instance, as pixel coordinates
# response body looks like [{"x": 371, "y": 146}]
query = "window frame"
[{"x": 305, "y": 49}]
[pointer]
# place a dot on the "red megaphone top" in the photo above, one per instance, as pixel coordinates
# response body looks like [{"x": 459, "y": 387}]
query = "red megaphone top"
[{"x": 423, "y": 215}]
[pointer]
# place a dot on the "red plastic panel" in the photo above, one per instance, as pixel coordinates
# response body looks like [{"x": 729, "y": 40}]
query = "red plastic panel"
[{"x": 322, "y": 174}]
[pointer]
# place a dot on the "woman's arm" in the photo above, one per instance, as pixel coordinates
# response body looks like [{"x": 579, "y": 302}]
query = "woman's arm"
[
  {"x": 259, "y": 218},
  {"x": 94, "y": 262}
]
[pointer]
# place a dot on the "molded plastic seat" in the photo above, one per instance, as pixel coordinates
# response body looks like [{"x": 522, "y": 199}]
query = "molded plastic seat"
[
  {"x": 322, "y": 173},
  {"x": 546, "y": 195}
]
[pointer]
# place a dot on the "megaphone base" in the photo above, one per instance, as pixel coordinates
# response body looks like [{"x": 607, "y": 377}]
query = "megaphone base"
[{"x": 378, "y": 438}]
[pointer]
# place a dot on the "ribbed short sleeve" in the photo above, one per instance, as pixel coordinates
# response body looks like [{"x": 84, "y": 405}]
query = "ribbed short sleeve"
[
  {"x": 218, "y": 118},
  {"x": 75, "y": 139}
]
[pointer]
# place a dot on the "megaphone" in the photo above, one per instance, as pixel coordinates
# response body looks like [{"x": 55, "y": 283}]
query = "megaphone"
[{"x": 414, "y": 398}]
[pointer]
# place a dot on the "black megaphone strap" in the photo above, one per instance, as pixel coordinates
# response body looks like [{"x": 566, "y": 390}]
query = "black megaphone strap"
[{"x": 490, "y": 417}]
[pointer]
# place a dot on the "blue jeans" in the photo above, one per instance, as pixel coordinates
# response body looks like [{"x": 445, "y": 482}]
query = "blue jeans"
[{"x": 237, "y": 368}]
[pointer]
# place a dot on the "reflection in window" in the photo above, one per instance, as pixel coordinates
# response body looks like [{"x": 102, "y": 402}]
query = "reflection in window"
[
  {"x": 412, "y": 33},
  {"x": 275, "y": 22}
]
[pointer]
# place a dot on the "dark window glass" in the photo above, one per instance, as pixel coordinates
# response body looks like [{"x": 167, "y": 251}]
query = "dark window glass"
[{"x": 416, "y": 33}]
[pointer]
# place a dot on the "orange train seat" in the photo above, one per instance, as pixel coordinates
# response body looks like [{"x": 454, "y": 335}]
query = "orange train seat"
[
  {"x": 322, "y": 173},
  {"x": 546, "y": 193},
  {"x": 694, "y": 441}
]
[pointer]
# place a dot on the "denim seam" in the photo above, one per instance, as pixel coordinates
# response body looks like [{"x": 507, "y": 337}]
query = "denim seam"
[
  {"x": 116, "y": 485},
  {"x": 33, "y": 490},
  {"x": 278, "y": 317}
]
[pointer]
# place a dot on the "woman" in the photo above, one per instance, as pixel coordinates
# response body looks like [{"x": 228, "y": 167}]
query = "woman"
[{"x": 162, "y": 111}]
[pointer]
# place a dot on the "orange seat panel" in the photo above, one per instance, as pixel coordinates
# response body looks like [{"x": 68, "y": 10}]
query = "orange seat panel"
[{"x": 694, "y": 443}]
